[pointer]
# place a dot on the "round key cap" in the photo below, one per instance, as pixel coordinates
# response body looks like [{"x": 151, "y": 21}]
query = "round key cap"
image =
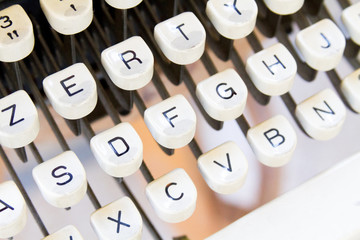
[
  {"x": 61, "y": 180},
  {"x": 322, "y": 115},
  {"x": 19, "y": 120},
  {"x": 224, "y": 168},
  {"x": 16, "y": 34},
  {"x": 322, "y": 45},
  {"x": 71, "y": 91},
  {"x": 173, "y": 196},
  {"x": 273, "y": 141},
  {"x": 171, "y": 122},
  {"x": 284, "y": 7},
  {"x": 66, "y": 233},
  {"x": 350, "y": 18},
  {"x": 350, "y": 86},
  {"x": 118, "y": 220},
  {"x": 118, "y": 150},
  {"x": 13, "y": 209},
  {"x": 68, "y": 17},
  {"x": 123, "y": 4},
  {"x": 129, "y": 64},
  {"x": 181, "y": 38},
  {"x": 233, "y": 19},
  {"x": 272, "y": 70},
  {"x": 223, "y": 95}
]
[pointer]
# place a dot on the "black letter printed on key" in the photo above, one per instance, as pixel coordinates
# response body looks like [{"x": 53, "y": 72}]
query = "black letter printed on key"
[
  {"x": 126, "y": 62},
  {"x": 228, "y": 168},
  {"x": 119, "y": 222},
  {"x": 181, "y": 31},
  {"x": 12, "y": 118},
  {"x": 170, "y": 118},
  {"x": 273, "y": 134},
  {"x": 274, "y": 64},
  {"x": 318, "y": 110},
  {"x": 70, "y": 176},
  {"x": 6, "y": 206},
  {"x": 169, "y": 195},
  {"x": 230, "y": 90},
  {"x": 110, "y": 142},
  {"x": 67, "y": 87}
]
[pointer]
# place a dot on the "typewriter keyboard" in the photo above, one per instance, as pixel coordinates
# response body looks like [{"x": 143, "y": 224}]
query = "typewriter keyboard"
[{"x": 171, "y": 119}]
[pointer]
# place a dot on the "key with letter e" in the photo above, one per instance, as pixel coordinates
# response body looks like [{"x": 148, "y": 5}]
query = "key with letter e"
[{"x": 66, "y": 233}]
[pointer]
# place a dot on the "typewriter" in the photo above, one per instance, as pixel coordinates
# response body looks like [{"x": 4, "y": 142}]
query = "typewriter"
[{"x": 179, "y": 119}]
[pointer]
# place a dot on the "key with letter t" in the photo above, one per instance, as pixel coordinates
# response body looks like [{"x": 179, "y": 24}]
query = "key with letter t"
[{"x": 181, "y": 38}]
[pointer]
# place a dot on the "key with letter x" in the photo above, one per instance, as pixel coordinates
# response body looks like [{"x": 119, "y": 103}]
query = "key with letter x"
[{"x": 118, "y": 220}]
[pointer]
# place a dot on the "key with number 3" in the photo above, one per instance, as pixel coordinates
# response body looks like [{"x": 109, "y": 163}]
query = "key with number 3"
[{"x": 16, "y": 34}]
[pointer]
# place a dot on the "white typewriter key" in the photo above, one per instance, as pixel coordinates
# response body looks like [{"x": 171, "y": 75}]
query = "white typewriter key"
[
  {"x": 173, "y": 196},
  {"x": 224, "y": 168},
  {"x": 350, "y": 87},
  {"x": 129, "y": 64},
  {"x": 171, "y": 122},
  {"x": 181, "y": 38},
  {"x": 19, "y": 120},
  {"x": 118, "y": 220},
  {"x": 322, "y": 115},
  {"x": 223, "y": 95},
  {"x": 71, "y": 91},
  {"x": 322, "y": 45},
  {"x": 284, "y": 7},
  {"x": 67, "y": 233},
  {"x": 61, "y": 180},
  {"x": 273, "y": 141},
  {"x": 350, "y": 18},
  {"x": 118, "y": 150},
  {"x": 13, "y": 209},
  {"x": 68, "y": 17},
  {"x": 16, "y": 34},
  {"x": 233, "y": 19},
  {"x": 272, "y": 70},
  {"x": 123, "y": 4}
]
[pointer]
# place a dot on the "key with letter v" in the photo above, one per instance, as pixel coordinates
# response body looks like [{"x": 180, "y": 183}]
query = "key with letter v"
[{"x": 224, "y": 168}]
